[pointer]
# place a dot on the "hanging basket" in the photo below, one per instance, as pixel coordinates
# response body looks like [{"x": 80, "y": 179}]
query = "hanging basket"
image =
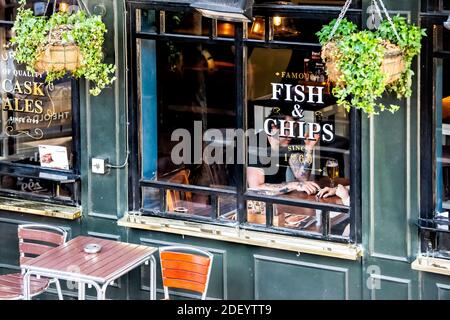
[
  {"x": 393, "y": 64},
  {"x": 58, "y": 55}
]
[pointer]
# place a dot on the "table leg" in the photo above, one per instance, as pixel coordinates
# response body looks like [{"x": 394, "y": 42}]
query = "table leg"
[
  {"x": 26, "y": 286},
  {"x": 152, "y": 278},
  {"x": 81, "y": 291}
]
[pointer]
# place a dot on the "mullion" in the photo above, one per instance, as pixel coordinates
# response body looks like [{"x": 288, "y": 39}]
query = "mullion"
[
  {"x": 269, "y": 214},
  {"x": 325, "y": 217},
  {"x": 241, "y": 112},
  {"x": 135, "y": 197}
]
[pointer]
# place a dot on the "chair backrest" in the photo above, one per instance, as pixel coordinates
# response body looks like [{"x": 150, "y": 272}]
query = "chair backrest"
[
  {"x": 36, "y": 239},
  {"x": 181, "y": 177},
  {"x": 187, "y": 268}
]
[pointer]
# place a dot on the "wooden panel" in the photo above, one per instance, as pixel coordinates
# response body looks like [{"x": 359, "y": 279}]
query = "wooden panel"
[
  {"x": 390, "y": 288},
  {"x": 434, "y": 286},
  {"x": 291, "y": 279},
  {"x": 103, "y": 129}
]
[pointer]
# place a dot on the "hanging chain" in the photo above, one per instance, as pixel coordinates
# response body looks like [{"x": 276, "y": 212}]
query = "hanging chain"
[
  {"x": 46, "y": 7},
  {"x": 339, "y": 19},
  {"x": 390, "y": 20},
  {"x": 378, "y": 11},
  {"x": 51, "y": 29},
  {"x": 82, "y": 4}
]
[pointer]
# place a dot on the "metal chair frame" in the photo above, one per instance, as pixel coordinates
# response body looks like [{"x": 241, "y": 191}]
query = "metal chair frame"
[{"x": 42, "y": 227}]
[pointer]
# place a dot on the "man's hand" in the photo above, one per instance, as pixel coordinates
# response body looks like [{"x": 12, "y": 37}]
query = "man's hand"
[
  {"x": 326, "y": 192},
  {"x": 309, "y": 187}
]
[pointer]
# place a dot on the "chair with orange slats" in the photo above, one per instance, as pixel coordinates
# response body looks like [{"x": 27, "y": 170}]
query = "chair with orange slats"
[
  {"x": 186, "y": 268},
  {"x": 180, "y": 176},
  {"x": 34, "y": 240}
]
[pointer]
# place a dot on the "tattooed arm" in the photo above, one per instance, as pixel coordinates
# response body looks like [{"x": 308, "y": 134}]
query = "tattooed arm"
[{"x": 256, "y": 180}]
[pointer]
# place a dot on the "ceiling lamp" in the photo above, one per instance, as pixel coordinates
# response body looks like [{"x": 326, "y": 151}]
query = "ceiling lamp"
[{"x": 229, "y": 10}]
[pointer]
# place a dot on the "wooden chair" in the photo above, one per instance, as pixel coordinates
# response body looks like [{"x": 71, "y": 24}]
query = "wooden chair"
[
  {"x": 180, "y": 177},
  {"x": 34, "y": 240},
  {"x": 185, "y": 268}
]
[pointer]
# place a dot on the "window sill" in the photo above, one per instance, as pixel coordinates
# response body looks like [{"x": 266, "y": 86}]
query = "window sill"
[
  {"x": 433, "y": 265},
  {"x": 40, "y": 208},
  {"x": 230, "y": 234}
]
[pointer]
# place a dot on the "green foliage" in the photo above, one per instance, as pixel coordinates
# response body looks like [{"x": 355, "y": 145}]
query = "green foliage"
[
  {"x": 31, "y": 35},
  {"x": 359, "y": 56}
]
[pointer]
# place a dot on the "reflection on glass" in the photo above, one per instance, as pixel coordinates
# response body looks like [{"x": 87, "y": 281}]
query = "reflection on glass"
[
  {"x": 37, "y": 187},
  {"x": 187, "y": 105},
  {"x": 33, "y": 113},
  {"x": 191, "y": 23},
  {"x": 442, "y": 38},
  {"x": 303, "y": 2},
  {"x": 297, "y": 127},
  {"x": 297, "y": 218},
  {"x": 225, "y": 29},
  {"x": 151, "y": 199},
  {"x": 8, "y": 9},
  {"x": 257, "y": 29},
  {"x": 146, "y": 20},
  {"x": 256, "y": 212},
  {"x": 228, "y": 208},
  {"x": 188, "y": 203}
]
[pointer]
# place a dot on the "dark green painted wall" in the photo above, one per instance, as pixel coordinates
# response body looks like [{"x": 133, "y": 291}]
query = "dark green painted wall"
[{"x": 390, "y": 207}]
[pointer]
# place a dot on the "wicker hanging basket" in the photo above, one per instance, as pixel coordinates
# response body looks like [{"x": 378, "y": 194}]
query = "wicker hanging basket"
[
  {"x": 58, "y": 55},
  {"x": 393, "y": 63}
]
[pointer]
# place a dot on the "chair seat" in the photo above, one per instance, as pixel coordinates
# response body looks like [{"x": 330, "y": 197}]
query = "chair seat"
[{"x": 11, "y": 286}]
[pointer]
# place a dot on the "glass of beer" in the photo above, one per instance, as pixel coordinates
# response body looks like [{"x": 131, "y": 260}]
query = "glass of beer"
[{"x": 332, "y": 170}]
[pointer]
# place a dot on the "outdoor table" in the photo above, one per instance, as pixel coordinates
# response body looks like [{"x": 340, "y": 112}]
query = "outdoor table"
[{"x": 69, "y": 262}]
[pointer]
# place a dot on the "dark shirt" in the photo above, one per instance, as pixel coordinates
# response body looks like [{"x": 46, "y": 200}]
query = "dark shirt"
[{"x": 261, "y": 155}]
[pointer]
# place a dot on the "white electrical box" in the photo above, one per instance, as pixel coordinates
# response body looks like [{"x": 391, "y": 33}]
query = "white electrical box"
[{"x": 99, "y": 166}]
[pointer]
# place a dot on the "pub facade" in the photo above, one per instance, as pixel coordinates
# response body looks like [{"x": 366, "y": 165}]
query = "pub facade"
[{"x": 171, "y": 153}]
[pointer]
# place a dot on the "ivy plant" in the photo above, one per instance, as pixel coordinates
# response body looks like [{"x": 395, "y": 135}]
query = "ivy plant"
[
  {"x": 359, "y": 56},
  {"x": 31, "y": 36}
]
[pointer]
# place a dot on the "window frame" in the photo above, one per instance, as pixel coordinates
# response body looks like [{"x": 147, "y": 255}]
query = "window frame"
[
  {"x": 428, "y": 225},
  {"x": 71, "y": 176},
  {"x": 240, "y": 42},
  {"x": 433, "y": 6}
]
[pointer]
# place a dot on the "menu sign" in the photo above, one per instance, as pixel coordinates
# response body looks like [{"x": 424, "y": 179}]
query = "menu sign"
[
  {"x": 302, "y": 91},
  {"x": 29, "y": 105}
]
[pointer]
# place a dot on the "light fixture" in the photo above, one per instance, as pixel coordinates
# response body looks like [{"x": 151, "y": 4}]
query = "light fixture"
[
  {"x": 258, "y": 26},
  {"x": 225, "y": 29},
  {"x": 63, "y": 7},
  {"x": 447, "y": 23},
  {"x": 229, "y": 10},
  {"x": 277, "y": 21}
]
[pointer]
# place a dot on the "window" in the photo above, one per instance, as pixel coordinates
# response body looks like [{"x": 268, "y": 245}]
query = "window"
[
  {"x": 338, "y": 3},
  {"x": 435, "y": 5},
  {"x": 235, "y": 127},
  {"x": 39, "y": 135},
  {"x": 435, "y": 142}
]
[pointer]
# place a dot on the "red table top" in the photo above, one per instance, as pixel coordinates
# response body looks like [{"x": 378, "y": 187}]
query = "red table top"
[{"x": 70, "y": 259}]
